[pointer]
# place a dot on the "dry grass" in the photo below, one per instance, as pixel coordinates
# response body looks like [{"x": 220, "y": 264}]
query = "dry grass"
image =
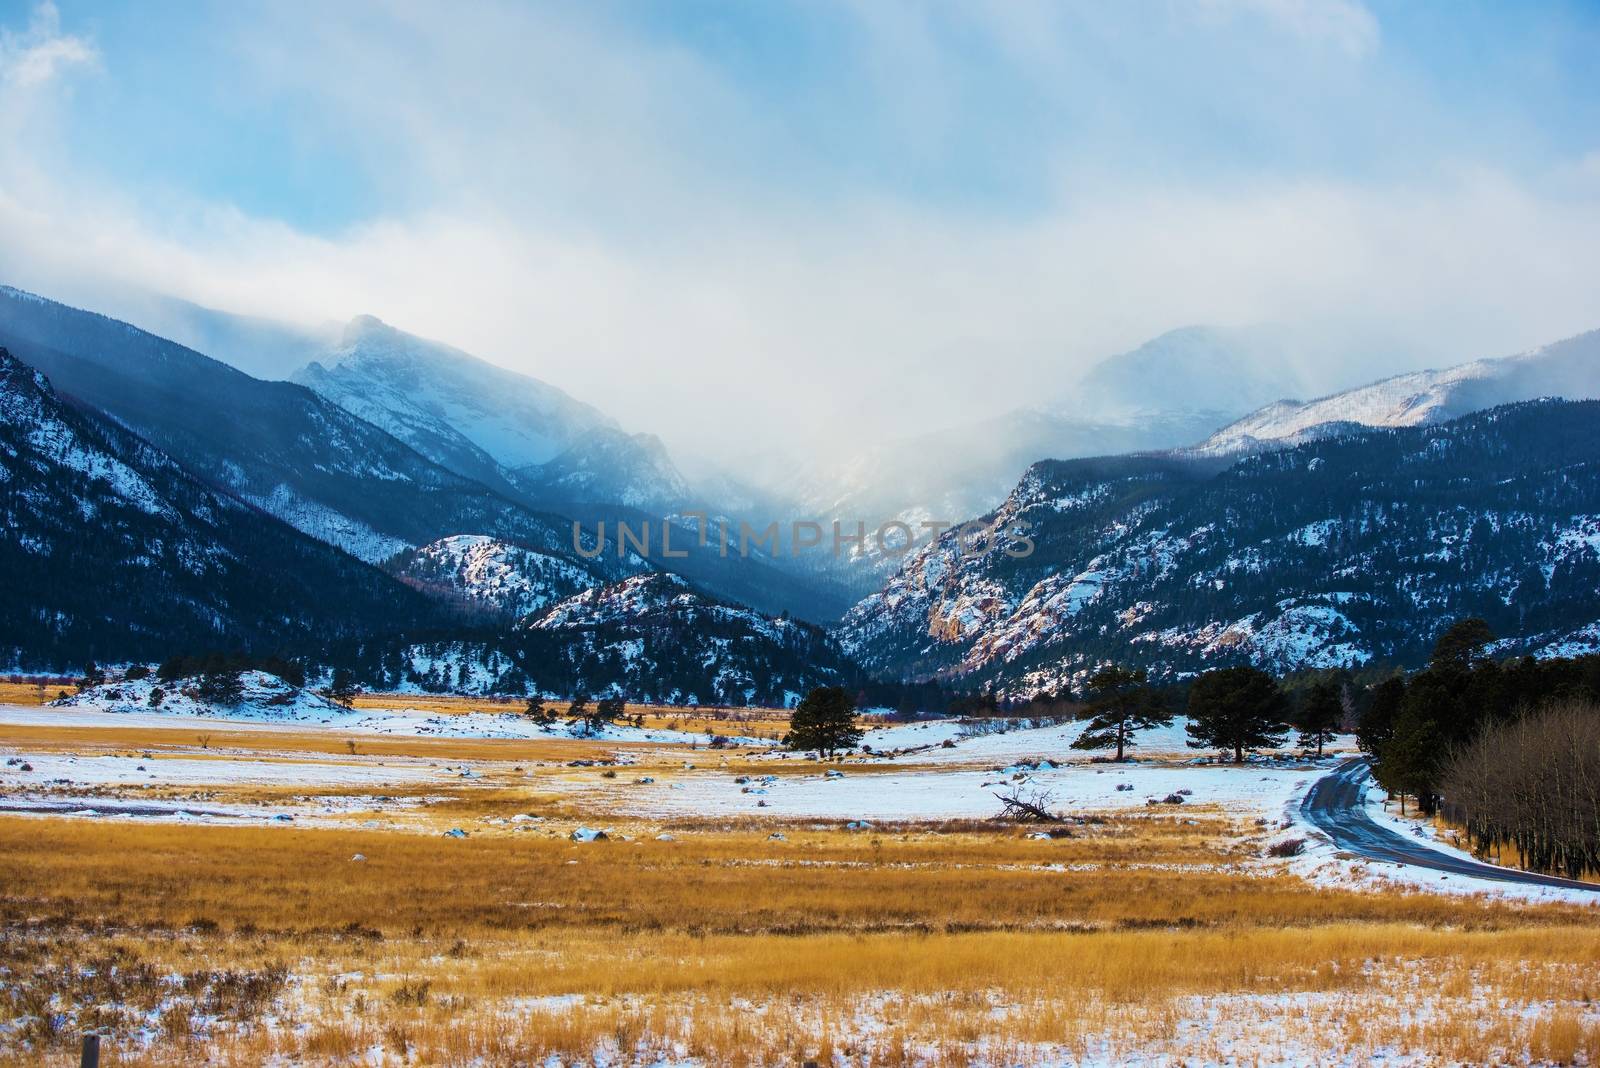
[
  {"x": 949, "y": 945},
  {"x": 17, "y": 693},
  {"x": 100, "y": 739},
  {"x": 952, "y": 944}
]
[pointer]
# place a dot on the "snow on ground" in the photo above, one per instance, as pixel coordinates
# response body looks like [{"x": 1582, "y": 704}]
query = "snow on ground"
[
  {"x": 982, "y": 741},
  {"x": 964, "y": 794},
  {"x": 261, "y": 696},
  {"x": 65, "y": 770}
]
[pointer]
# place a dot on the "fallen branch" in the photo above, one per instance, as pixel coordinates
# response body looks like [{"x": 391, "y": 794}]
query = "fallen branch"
[{"x": 1032, "y": 808}]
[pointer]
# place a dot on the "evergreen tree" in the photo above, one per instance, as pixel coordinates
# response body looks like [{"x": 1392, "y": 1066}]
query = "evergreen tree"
[
  {"x": 537, "y": 711},
  {"x": 606, "y": 710},
  {"x": 1120, "y": 704},
  {"x": 1376, "y": 725},
  {"x": 578, "y": 711},
  {"x": 1460, "y": 646},
  {"x": 1320, "y": 715},
  {"x": 824, "y": 722},
  {"x": 1237, "y": 708},
  {"x": 221, "y": 686},
  {"x": 1411, "y": 758},
  {"x": 92, "y": 676},
  {"x": 342, "y": 690}
]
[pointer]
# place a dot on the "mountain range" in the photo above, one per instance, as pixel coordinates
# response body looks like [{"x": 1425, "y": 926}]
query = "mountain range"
[
  {"x": 1353, "y": 549},
  {"x": 1169, "y": 392},
  {"x": 112, "y": 550},
  {"x": 504, "y": 429},
  {"x": 1569, "y": 368},
  {"x": 404, "y": 508}
]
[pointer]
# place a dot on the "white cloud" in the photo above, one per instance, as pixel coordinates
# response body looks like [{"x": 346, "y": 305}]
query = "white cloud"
[
  {"x": 36, "y": 56},
  {"x": 1347, "y": 24},
  {"x": 585, "y": 213}
]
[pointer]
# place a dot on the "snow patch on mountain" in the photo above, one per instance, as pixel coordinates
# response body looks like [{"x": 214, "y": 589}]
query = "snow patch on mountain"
[
  {"x": 327, "y": 524},
  {"x": 1569, "y": 369},
  {"x": 26, "y": 405},
  {"x": 487, "y": 573},
  {"x": 411, "y": 386}
]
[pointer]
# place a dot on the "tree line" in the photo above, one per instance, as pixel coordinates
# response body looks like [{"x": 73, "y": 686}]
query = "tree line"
[{"x": 1509, "y": 750}]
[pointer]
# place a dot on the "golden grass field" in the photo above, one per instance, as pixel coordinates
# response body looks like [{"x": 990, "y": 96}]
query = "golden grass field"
[
  {"x": 958, "y": 943},
  {"x": 17, "y": 693}
]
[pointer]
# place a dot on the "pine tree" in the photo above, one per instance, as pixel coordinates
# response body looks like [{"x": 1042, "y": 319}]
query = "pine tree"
[
  {"x": 1237, "y": 708},
  {"x": 1411, "y": 758},
  {"x": 537, "y": 711},
  {"x": 92, "y": 676},
  {"x": 1120, "y": 705},
  {"x": 342, "y": 690},
  {"x": 1376, "y": 725},
  {"x": 606, "y": 710},
  {"x": 824, "y": 722},
  {"x": 1460, "y": 646},
  {"x": 578, "y": 711},
  {"x": 1320, "y": 715},
  {"x": 221, "y": 686}
]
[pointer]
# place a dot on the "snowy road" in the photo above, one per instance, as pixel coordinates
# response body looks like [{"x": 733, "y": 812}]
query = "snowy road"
[{"x": 1334, "y": 805}]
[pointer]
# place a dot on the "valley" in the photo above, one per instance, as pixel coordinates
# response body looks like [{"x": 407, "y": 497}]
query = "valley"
[{"x": 271, "y": 891}]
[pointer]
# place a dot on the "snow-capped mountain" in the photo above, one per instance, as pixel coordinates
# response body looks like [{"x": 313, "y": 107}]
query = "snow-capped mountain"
[
  {"x": 1569, "y": 369},
  {"x": 492, "y": 576},
  {"x": 1350, "y": 550},
  {"x": 276, "y": 445},
  {"x": 1205, "y": 372},
  {"x": 110, "y": 549},
  {"x": 490, "y": 424},
  {"x": 654, "y": 637},
  {"x": 610, "y": 466},
  {"x": 1168, "y": 392}
]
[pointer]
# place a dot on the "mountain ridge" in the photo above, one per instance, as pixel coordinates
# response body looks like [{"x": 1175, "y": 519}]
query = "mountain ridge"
[{"x": 1342, "y": 551}]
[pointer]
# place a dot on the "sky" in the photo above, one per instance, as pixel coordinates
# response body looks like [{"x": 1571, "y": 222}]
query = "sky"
[{"x": 840, "y": 218}]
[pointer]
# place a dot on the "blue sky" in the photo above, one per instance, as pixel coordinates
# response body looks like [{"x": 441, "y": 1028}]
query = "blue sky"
[
  {"x": 182, "y": 102},
  {"x": 780, "y": 194}
]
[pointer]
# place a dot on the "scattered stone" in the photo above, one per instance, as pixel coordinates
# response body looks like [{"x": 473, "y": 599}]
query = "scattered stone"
[
  {"x": 359, "y": 856},
  {"x": 589, "y": 834}
]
